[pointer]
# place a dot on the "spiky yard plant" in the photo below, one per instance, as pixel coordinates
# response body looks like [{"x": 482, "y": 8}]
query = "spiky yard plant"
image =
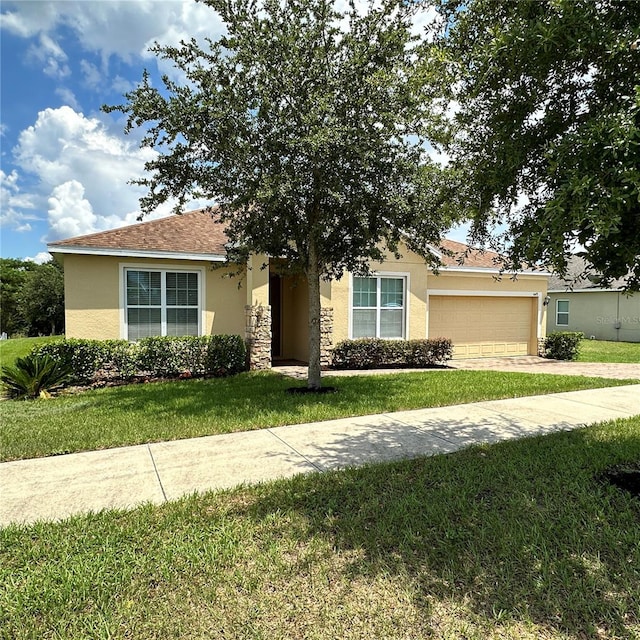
[{"x": 33, "y": 376}]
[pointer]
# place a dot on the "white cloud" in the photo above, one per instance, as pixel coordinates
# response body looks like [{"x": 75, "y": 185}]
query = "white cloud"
[
  {"x": 68, "y": 97},
  {"x": 49, "y": 54},
  {"x": 83, "y": 173},
  {"x": 40, "y": 258},
  {"x": 122, "y": 85},
  {"x": 27, "y": 19},
  {"x": 92, "y": 76},
  {"x": 14, "y": 205},
  {"x": 121, "y": 28},
  {"x": 70, "y": 213}
]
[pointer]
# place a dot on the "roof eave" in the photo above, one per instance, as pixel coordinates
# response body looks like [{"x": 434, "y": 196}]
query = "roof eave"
[
  {"x": 492, "y": 271},
  {"x": 595, "y": 290},
  {"x": 135, "y": 253}
]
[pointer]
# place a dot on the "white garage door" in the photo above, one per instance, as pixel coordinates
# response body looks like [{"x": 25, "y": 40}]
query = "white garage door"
[{"x": 482, "y": 326}]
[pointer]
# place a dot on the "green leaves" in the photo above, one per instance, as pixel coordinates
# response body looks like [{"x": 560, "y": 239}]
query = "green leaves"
[
  {"x": 548, "y": 128},
  {"x": 33, "y": 377},
  {"x": 301, "y": 121},
  {"x": 308, "y": 127}
]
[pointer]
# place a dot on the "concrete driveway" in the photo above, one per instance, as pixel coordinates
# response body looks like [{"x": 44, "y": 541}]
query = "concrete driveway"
[{"x": 534, "y": 364}]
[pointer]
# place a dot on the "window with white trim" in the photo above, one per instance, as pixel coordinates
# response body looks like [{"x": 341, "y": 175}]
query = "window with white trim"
[
  {"x": 562, "y": 312},
  {"x": 161, "y": 303},
  {"x": 378, "y": 307}
]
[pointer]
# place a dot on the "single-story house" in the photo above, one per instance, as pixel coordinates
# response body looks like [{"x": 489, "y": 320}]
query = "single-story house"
[
  {"x": 579, "y": 303},
  {"x": 166, "y": 277}
]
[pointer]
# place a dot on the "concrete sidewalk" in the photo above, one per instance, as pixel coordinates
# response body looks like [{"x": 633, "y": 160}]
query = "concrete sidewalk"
[{"x": 60, "y": 486}]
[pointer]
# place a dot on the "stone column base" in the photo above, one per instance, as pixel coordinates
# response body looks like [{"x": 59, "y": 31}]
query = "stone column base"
[
  {"x": 541, "y": 349},
  {"x": 258, "y": 336},
  {"x": 326, "y": 336}
]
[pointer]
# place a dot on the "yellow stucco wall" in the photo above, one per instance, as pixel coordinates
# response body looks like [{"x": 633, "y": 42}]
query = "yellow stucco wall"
[
  {"x": 421, "y": 280},
  {"x": 93, "y": 295},
  {"x": 598, "y": 313},
  {"x": 256, "y": 283}
]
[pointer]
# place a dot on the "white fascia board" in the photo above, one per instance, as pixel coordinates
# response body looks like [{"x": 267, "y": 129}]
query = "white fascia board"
[
  {"x": 484, "y": 293},
  {"x": 137, "y": 253},
  {"x": 566, "y": 291},
  {"x": 491, "y": 271}
]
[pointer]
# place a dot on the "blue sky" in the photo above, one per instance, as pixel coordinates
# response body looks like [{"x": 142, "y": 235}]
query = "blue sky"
[{"x": 65, "y": 165}]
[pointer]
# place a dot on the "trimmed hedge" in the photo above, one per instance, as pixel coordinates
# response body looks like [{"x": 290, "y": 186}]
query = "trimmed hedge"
[
  {"x": 563, "y": 345},
  {"x": 373, "y": 353},
  {"x": 85, "y": 358},
  {"x": 159, "y": 357}
]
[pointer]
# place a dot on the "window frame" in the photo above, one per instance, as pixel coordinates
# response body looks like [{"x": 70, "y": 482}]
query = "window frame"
[
  {"x": 564, "y": 313},
  {"x": 379, "y": 275},
  {"x": 163, "y": 269}
]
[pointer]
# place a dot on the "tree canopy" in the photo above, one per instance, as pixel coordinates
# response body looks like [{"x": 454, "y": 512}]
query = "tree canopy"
[
  {"x": 31, "y": 297},
  {"x": 308, "y": 127},
  {"x": 547, "y": 101}
]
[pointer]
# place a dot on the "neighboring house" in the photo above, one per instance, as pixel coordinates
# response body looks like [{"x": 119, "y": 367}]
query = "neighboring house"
[
  {"x": 579, "y": 303},
  {"x": 164, "y": 277}
]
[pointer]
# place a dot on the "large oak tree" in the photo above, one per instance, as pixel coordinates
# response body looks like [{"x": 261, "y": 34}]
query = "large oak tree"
[
  {"x": 548, "y": 126},
  {"x": 308, "y": 127}
]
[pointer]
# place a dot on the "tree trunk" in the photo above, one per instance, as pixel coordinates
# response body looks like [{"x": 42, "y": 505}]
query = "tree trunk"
[{"x": 313, "y": 278}]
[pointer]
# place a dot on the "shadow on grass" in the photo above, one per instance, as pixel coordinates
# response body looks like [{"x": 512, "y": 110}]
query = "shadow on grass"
[
  {"x": 520, "y": 531},
  {"x": 245, "y": 396}
]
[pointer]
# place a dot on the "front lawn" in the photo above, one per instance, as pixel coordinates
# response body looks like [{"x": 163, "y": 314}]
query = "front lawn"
[
  {"x": 521, "y": 540},
  {"x": 153, "y": 412},
  {"x": 607, "y": 351},
  {"x": 20, "y": 347}
]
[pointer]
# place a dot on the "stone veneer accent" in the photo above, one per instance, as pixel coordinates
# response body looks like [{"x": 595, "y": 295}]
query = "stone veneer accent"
[
  {"x": 258, "y": 336},
  {"x": 541, "y": 349},
  {"x": 326, "y": 336}
]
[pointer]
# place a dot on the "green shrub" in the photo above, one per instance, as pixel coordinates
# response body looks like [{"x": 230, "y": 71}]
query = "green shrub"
[
  {"x": 217, "y": 355},
  {"x": 426, "y": 353},
  {"x": 34, "y": 376},
  {"x": 373, "y": 353},
  {"x": 171, "y": 356},
  {"x": 226, "y": 355},
  {"x": 160, "y": 357},
  {"x": 86, "y": 357},
  {"x": 563, "y": 345}
]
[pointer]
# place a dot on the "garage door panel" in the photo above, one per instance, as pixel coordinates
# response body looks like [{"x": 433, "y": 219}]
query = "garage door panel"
[{"x": 482, "y": 326}]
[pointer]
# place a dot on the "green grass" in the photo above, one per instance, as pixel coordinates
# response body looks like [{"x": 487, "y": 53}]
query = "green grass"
[
  {"x": 518, "y": 540},
  {"x": 153, "y": 412},
  {"x": 20, "y": 347},
  {"x": 607, "y": 351}
]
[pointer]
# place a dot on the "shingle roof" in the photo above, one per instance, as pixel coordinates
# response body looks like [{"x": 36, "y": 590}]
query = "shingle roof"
[
  {"x": 194, "y": 232},
  {"x": 474, "y": 257},
  {"x": 579, "y": 278}
]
